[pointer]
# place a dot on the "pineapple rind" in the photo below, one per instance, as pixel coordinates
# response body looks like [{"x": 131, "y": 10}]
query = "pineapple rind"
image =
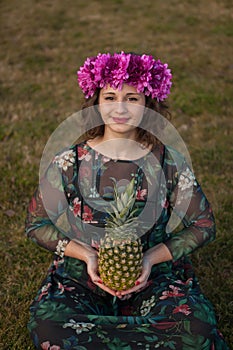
[
  {"x": 120, "y": 252},
  {"x": 123, "y": 271}
]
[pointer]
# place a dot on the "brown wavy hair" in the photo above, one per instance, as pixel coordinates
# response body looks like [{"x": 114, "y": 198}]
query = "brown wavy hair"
[{"x": 92, "y": 117}]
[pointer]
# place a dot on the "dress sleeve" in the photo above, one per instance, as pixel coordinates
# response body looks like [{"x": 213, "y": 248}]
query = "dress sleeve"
[
  {"x": 188, "y": 201},
  {"x": 47, "y": 206}
]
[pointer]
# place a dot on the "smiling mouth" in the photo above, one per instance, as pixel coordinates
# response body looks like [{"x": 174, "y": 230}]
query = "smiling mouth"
[{"x": 120, "y": 120}]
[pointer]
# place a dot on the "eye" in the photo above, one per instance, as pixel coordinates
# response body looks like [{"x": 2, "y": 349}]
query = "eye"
[
  {"x": 109, "y": 98},
  {"x": 132, "y": 99}
]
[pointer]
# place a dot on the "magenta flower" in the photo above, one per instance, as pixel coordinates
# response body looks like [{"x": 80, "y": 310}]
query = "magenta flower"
[{"x": 151, "y": 77}]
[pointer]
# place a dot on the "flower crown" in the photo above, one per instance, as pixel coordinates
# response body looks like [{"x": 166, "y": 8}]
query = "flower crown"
[{"x": 151, "y": 77}]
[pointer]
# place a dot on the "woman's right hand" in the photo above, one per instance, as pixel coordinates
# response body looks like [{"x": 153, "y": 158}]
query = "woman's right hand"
[
  {"x": 86, "y": 253},
  {"x": 92, "y": 270}
]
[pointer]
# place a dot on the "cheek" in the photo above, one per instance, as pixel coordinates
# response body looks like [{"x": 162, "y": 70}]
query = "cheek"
[
  {"x": 105, "y": 109},
  {"x": 137, "y": 112}
]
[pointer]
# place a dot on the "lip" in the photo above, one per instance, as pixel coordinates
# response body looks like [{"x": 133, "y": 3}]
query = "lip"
[{"x": 120, "y": 120}]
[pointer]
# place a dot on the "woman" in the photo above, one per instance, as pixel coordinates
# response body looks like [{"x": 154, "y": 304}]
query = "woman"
[{"x": 165, "y": 308}]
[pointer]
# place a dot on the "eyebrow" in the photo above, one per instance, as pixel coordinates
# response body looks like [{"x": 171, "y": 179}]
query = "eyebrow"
[{"x": 113, "y": 93}]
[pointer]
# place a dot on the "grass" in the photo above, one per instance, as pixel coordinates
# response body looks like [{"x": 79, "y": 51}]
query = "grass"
[{"x": 42, "y": 45}]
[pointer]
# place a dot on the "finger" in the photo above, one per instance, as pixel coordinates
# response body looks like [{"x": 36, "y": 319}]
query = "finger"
[
  {"x": 144, "y": 276},
  {"x": 94, "y": 277},
  {"x": 137, "y": 287},
  {"x": 97, "y": 281},
  {"x": 142, "y": 279},
  {"x": 106, "y": 289}
]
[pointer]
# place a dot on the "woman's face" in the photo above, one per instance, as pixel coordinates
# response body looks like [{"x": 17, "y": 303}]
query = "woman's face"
[{"x": 121, "y": 110}]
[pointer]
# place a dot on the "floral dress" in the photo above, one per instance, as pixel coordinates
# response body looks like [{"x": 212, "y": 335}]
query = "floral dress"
[{"x": 170, "y": 312}]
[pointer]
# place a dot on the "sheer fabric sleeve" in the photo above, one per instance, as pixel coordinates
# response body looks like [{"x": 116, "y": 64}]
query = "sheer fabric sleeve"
[
  {"x": 46, "y": 207},
  {"x": 188, "y": 201}
]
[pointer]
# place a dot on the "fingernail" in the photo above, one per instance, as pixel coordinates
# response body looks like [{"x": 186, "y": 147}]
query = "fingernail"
[
  {"x": 99, "y": 281},
  {"x": 137, "y": 283}
]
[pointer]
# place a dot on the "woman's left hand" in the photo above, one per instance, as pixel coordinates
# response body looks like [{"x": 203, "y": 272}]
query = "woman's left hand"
[
  {"x": 142, "y": 280},
  {"x": 152, "y": 256}
]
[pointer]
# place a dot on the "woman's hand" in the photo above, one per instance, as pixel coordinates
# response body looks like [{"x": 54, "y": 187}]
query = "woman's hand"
[
  {"x": 152, "y": 256},
  {"x": 142, "y": 280},
  {"x": 86, "y": 253},
  {"x": 92, "y": 270}
]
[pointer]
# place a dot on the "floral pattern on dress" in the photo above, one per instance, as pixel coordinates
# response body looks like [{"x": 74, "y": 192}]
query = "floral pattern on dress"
[
  {"x": 76, "y": 207},
  {"x": 47, "y": 346},
  {"x": 186, "y": 180},
  {"x": 83, "y": 153},
  {"x": 79, "y": 327},
  {"x": 65, "y": 159},
  {"x": 74, "y": 312},
  {"x": 147, "y": 306},
  {"x": 61, "y": 246},
  {"x": 184, "y": 309},
  {"x": 174, "y": 292}
]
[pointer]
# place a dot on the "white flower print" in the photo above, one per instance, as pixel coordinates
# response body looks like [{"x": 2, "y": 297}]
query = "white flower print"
[
  {"x": 65, "y": 160},
  {"x": 147, "y": 305},
  {"x": 186, "y": 180},
  {"x": 61, "y": 246},
  {"x": 79, "y": 327}
]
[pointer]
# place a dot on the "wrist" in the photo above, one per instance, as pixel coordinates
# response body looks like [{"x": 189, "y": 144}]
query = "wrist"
[
  {"x": 158, "y": 254},
  {"x": 80, "y": 250}
]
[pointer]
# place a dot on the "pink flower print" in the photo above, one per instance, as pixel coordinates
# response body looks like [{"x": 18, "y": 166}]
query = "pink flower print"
[
  {"x": 56, "y": 264},
  {"x": 62, "y": 288},
  {"x": 169, "y": 294},
  {"x": 83, "y": 153},
  {"x": 77, "y": 207},
  {"x": 46, "y": 346},
  {"x": 184, "y": 309},
  {"x": 203, "y": 223},
  {"x": 95, "y": 244},
  {"x": 44, "y": 291},
  {"x": 87, "y": 215},
  {"x": 165, "y": 203},
  {"x": 33, "y": 205},
  {"x": 188, "y": 282},
  {"x": 141, "y": 194}
]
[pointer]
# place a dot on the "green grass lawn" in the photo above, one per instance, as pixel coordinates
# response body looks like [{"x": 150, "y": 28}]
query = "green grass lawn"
[{"x": 42, "y": 45}]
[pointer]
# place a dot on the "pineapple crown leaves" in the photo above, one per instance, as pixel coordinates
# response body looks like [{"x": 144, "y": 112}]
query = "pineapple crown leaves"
[{"x": 123, "y": 205}]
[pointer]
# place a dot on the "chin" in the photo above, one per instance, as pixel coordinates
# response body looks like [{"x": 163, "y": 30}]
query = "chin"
[{"x": 123, "y": 128}]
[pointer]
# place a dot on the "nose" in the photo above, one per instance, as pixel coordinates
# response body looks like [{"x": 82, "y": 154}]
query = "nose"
[{"x": 121, "y": 107}]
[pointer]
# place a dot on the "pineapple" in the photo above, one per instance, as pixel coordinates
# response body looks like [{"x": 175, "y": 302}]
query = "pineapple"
[{"x": 120, "y": 251}]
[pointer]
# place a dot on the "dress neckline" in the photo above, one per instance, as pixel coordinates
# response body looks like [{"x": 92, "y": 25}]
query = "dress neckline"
[{"x": 87, "y": 146}]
